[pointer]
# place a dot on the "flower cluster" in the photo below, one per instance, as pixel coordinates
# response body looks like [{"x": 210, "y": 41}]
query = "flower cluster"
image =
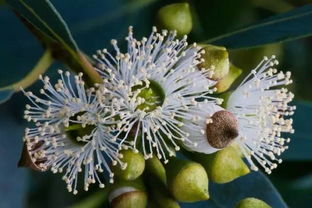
[
  {"x": 153, "y": 99},
  {"x": 71, "y": 133}
]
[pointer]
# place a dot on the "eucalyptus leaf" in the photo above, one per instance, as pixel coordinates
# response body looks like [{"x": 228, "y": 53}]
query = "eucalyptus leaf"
[
  {"x": 301, "y": 142},
  {"x": 255, "y": 184},
  {"x": 43, "y": 64},
  {"x": 5, "y": 95},
  {"x": 43, "y": 15},
  {"x": 48, "y": 25},
  {"x": 13, "y": 181},
  {"x": 291, "y": 25}
]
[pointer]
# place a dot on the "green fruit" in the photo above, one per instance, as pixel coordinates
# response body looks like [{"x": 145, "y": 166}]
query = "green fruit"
[{"x": 175, "y": 17}]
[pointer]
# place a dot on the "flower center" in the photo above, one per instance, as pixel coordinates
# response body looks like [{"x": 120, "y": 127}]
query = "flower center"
[
  {"x": 150, "y": 95},
  {"x": 78, "y": 133}
]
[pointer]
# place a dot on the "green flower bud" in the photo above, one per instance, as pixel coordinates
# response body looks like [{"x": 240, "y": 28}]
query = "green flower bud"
[
  {"x": 156, "y": 168},
  {"x": 135, "y": 165},
  {"x": 226, "y": 82},
  {"x": 175, "y": 17},
  {"x": 187, "y": 181},
  {"x": 155, "y": 178},
  {"x": 216, "y": 59},
  {"x": 226, "y": 166},
  {"x": 128, "y": 194},
  {"x": 222, "y": 166},
  {"x": 252, "y": 203}
]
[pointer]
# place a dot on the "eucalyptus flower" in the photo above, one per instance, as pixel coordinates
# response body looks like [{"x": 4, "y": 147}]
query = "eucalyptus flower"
[
  {"x": 263, "y": 113},
  {"x": 152, "y": 88},
  {"x": 69, "y": 135},
  {"x": 257, "y": 114}
]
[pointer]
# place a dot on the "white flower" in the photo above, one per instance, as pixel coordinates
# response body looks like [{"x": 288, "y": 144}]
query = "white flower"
[
  {"x": 152, "y": 88},
  {"x": 262, "y": 111},
  {"x": 70, "y": 135}
]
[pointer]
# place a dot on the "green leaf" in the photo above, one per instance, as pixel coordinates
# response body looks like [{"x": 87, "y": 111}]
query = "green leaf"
[
  {"x": 43, "y": 15},
  {"x": 43, "y": 64},
  {"x": 13, "y": 181},
  {"x": 46, "y": 23},
  {"x": 5, "y": 95},
  {"x": 301, "y": 142},
  {"x": 291, "y": 25},
  {"x": 255, "y": 184}
]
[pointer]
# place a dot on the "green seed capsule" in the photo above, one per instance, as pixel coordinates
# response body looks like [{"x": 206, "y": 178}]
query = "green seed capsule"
[
  {"x": 226, "y": 82},
  {"x": 252, "y": 203},
  {"x": 187, "y": 181},
  {"x": 216, "y": 60},
  {"x": 175, "y": 17},
  {"x": 135, "y": 165}
]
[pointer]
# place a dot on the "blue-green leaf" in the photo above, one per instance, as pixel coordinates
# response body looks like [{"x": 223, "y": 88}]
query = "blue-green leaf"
[
  {"x": 43, "y": 15},
  {"x": 301, "y": 142},
  {"x": 255, "y": 184},
  {"x": 291, "y": 25},
  {"x": 42, "y": 65},
  {"x": 13, "y": 181},
  {"x": 5, "y": 95}
]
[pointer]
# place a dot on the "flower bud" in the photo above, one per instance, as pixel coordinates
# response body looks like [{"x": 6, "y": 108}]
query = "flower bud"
[
  {"x": 175, "y": 17},
  {"x": 155, "y": 178},
  {"x": 252, "y": 203},
  {"x": 226, "y": 166},
  {"x": 216, "y": 59},
  {"x": 187, "y": 181},
  {"x": 135, "y": 165},
  {"x": 156, "y": 168},
  {"x": 128, "y": 194},
  {"x": 222, "y": 166},
  {"x": 226, "y": 82}
]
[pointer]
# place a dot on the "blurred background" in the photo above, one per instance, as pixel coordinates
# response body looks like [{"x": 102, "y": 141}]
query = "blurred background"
[{"x": 93, "y": 24}]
